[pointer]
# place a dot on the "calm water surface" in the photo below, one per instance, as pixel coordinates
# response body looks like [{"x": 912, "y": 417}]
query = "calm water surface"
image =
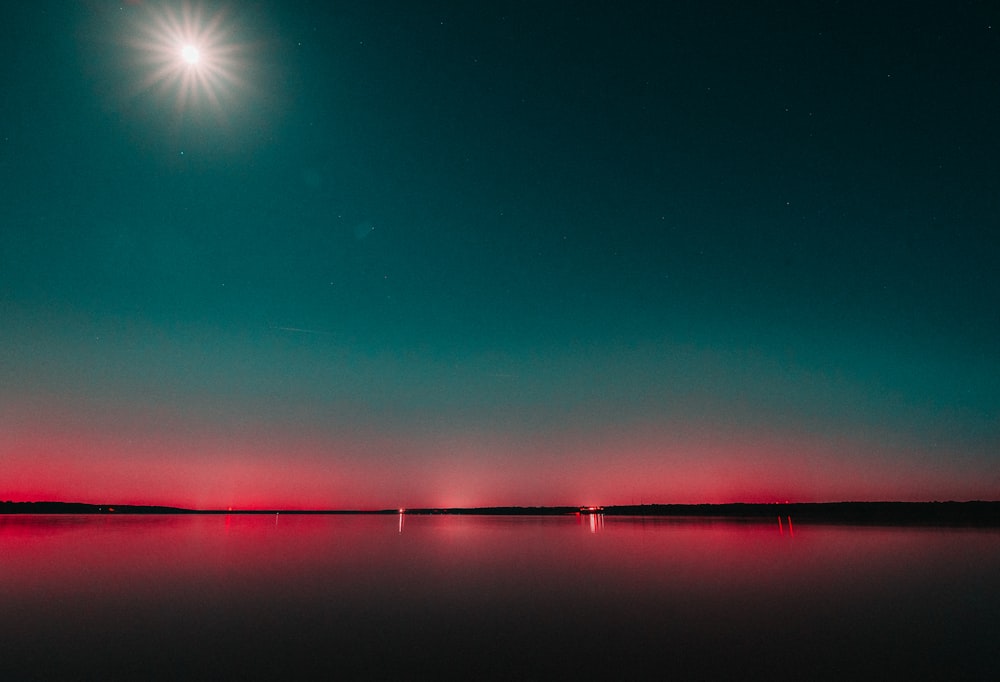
[{"x": 432, "y": 597}]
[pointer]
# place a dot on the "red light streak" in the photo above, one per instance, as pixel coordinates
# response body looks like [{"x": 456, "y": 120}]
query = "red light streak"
[{"x": 596, "y": 522}]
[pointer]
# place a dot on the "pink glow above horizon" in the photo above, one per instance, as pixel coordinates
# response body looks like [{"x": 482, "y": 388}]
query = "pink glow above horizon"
[{"x": 284, "y": 466}]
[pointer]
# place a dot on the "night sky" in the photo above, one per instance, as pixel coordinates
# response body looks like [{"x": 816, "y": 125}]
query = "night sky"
[{"x": 370, "y": 254}]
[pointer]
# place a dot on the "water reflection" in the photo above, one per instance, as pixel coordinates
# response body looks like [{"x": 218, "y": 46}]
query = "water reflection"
[
  {"x": 596, "y": 522},
  {"x": 492, "y": 597}
]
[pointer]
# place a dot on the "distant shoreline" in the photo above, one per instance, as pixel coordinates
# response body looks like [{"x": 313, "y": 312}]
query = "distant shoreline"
[{"x": 973, "y": 513}]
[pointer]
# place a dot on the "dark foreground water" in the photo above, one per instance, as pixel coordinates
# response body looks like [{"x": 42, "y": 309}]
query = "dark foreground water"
[{"x": 432, "y": 597}]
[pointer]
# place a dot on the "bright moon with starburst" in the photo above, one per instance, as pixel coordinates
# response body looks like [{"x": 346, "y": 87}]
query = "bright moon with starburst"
[{"x": 188, "y": 56}]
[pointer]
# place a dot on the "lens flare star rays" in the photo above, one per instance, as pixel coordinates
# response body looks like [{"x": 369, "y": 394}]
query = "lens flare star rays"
[{"x": 192, "y": 59}]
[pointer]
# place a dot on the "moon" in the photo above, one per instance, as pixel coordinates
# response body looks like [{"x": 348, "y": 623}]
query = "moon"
[{"x": 190, "y": 54}]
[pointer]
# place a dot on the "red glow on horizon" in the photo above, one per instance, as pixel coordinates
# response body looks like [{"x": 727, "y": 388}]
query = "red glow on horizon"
[{"x": 132, "y": 459}]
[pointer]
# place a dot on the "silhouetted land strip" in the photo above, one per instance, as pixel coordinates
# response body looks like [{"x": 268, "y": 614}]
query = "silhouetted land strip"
[
  {"x": 977, "y": 513},
  {"x": 82, "y": 508}
]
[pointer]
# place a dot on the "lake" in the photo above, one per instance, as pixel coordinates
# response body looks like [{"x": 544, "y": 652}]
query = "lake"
[{"x": 493, "y": 597}]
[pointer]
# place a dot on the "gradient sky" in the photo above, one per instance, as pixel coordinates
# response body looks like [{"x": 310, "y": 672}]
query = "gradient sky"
[{"x": 370, "y": 254}]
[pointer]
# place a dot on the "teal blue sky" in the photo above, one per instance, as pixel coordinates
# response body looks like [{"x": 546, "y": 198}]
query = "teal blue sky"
[{"x": 388, "y": 253}]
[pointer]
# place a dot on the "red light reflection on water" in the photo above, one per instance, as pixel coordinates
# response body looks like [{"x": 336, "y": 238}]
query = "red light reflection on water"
[
  {"x": 596, "y": 522},
  {"x": 299, "y": 584}
]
